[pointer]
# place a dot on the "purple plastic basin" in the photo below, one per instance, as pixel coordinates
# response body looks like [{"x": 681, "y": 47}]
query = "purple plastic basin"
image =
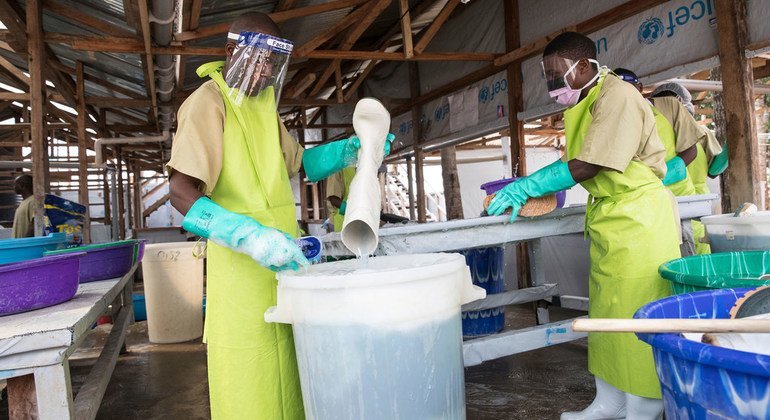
[
  {"x": 140, "y": 249},
  {"x": 38, "y": 283},
  {"x": 103, "y": 261},
  {"x": 495, "y": 186}
]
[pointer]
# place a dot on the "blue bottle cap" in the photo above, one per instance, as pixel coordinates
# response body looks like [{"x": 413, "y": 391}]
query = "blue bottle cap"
[{"x": 310, "y": 246}]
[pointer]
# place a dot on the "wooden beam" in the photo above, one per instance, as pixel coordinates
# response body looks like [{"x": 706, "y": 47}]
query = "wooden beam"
[
  {"x": 301, "y": 85},
  {"x": 338, "y": 82},
  {"x": 11, "y": 96},
  {"x": 285, "y": 5},
  {"x": 629, "y": 8},
  {"x": 330, "y": 33},
  {"x": 156, "y": 205},
  {"x": 80, "y": 16},
  {"x": 395, "y": 56},
  {"x": 190, "y": 23},
  {"x": 278, "y": 17},
  {"x": 350, "y": 39},
  {"x": 743, "y": 179},
  {"x": 36, "y": 54},
  {"x": 406, "y": 28},
  {"x": 438, "y": 22},
  {"x": 515, "y": 97},
  {"x": 82, "y": 147},
  {"x": 144, "y": 19},
  {"x": 101, "y": 82},
  {"x": 419, "y": 154}
]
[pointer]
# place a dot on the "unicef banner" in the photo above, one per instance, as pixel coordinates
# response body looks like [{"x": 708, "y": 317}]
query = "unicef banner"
[
  {"x": 676, "y": 33},
  {"x": 469, "y": 113}
]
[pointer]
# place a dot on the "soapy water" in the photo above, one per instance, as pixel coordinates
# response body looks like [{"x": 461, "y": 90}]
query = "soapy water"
[
  {"x": 355, "y": 371},
  {"x": 727, "y": 243}
]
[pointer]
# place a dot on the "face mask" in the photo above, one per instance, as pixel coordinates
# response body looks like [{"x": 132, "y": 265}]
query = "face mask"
[{"x": 567, "y": 95}]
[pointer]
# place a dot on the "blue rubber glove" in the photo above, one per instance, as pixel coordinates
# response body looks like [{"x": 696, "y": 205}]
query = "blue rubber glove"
[
  {"x": 676, "y": 171},
  {"x": 553, "y": 178},
  {"x": 327, "y": 159},
  {"x": 342, "y": 208},
  {"x": 719, "y": 163},
  {"x": 270, "y": 247}
]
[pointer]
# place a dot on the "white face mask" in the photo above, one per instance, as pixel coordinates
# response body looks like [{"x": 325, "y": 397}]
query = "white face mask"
[{"x": 566, "y": 95}]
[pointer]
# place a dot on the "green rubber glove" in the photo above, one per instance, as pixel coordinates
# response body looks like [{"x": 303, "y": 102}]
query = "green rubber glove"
[
  {"x": 270, "y": 247},
  {"x": 719, "y": 163},
  {"x": 327, "y": 159},
  {"x": 676, "y": 171},
  {"x": 342, "y": 208},
  {"x": 553, "y": 178}
]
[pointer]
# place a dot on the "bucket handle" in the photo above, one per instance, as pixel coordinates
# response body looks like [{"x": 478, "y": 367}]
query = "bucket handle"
[
  {"x": 275, "y": 315},
  {"x": 470, "y": 292}
]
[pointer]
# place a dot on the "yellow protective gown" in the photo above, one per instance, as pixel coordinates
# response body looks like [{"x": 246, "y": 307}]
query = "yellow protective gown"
[
  {"x": 632, "y": 226},
  {"x": 252, "y": 365},
  {"x": 347, "y": 178},
  {"x": 668, "y": 137},
  {"x": 698, "y": 171}
]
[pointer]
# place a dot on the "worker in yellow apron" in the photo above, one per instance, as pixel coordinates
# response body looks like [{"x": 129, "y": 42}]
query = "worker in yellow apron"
[
  {"x": 680, "y": 134},
  {"x": 229, "y": 175},
  {"x": 710, "y": 157},
  {"x": 614, "y": 152},
  {"x": 337, "y": 189}
]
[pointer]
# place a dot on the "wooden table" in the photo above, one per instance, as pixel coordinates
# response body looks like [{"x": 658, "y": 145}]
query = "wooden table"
[{"x": 35, "y": 348}]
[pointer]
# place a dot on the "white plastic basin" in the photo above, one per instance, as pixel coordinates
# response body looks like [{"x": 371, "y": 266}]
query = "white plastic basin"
[{"x": 727, "y": 233}]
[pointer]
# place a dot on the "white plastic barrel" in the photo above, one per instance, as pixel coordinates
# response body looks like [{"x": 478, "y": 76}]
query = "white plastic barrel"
[
  {"x": 173, "y": 290},
  {"x": 380, "y": 341}
]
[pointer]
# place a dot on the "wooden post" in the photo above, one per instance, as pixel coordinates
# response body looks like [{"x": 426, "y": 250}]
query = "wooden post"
[
  {"x": 129, "y": 194},
  {"x": 106, "y": 177},
  {"x": 742, "y": 179},
  {"x": 138, "y": 207},
  {"x": 36, "y": 54},
  {"x": 515, "y": 98},
  {"x": 121, "y": 198},
  {"x": 452, "y": 197},
  {"x": 82, "y": 147},
  {"x": 410, "y": 187},
  {"x": 414, "y": 87}
]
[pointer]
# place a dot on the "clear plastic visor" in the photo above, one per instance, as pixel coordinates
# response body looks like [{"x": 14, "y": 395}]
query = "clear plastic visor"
[
  {"x": 259, "y": 64},
  {"x": 555, "y": 69}
]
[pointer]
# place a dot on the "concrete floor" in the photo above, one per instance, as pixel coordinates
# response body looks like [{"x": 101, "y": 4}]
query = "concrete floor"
[{"x": 169, "y": 381}]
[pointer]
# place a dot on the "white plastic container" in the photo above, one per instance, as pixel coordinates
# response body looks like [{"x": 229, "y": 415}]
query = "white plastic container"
[
  {"x": 727, "y": 233},
  {"x": 381, "y": 342},
  {"x": 173, "y": 289}
]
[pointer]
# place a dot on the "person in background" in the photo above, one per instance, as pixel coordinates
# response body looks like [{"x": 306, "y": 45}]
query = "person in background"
[
  {"x": 711, "y": 159},
  {"x": 679, "y": 133},
  {"x": 337, "y": 189},
  {"x": 230, "y": 166},
  {"x": 613, "y": 151},
  {"x": 24, "y": 218}
]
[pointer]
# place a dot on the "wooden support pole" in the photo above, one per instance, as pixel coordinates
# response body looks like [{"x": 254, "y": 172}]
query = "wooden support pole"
[
  {"x": 36, "y": 54},
  {"x": 121, "y": 198},
  {"x": 82, "y": 147},
  {"x": 419, "y": 155},
  {"x": 452, "y": 197},
  {"x": 410, "y": 187},
  {"x": 129, "y": 193},
  {"x": 406, "y": 28},
  {"x": 106, "y": 189},
  {"x": 742, "y": 179},
  {"x": 515, "y": 98},
  {"x": 138, "y": 207}
]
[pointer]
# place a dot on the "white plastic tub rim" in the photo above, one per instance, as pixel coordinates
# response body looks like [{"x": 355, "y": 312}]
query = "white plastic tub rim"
[
  {"x": 760, "y": 217},
  {"x": 392, "y": 292},
  {"x": 174, "y": 251}
]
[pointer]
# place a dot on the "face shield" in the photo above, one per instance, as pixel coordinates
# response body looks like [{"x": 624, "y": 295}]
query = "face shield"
[
  {"x": 559, "y": 75},
  {"x": 257, "y": 67}
]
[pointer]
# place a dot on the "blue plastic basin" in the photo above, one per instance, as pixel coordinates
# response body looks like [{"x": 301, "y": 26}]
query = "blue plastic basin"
[
  {"x": 701, "y": 381},
  {"x": 15, "y": 250}
]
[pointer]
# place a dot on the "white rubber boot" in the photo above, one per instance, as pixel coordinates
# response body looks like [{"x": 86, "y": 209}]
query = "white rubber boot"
[
  {"x": 609, "y": 403},
  {"x": 640, "y": 408}
]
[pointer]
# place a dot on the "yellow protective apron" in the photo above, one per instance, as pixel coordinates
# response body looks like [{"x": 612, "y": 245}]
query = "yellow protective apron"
[
  {"x": 251, "y": 364},
  {"x": 668, "y": 137},
  {"x": 698, "y": 171},
  {"x": 632, "y": 226},
  {"x": 347, "y": 175}
]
